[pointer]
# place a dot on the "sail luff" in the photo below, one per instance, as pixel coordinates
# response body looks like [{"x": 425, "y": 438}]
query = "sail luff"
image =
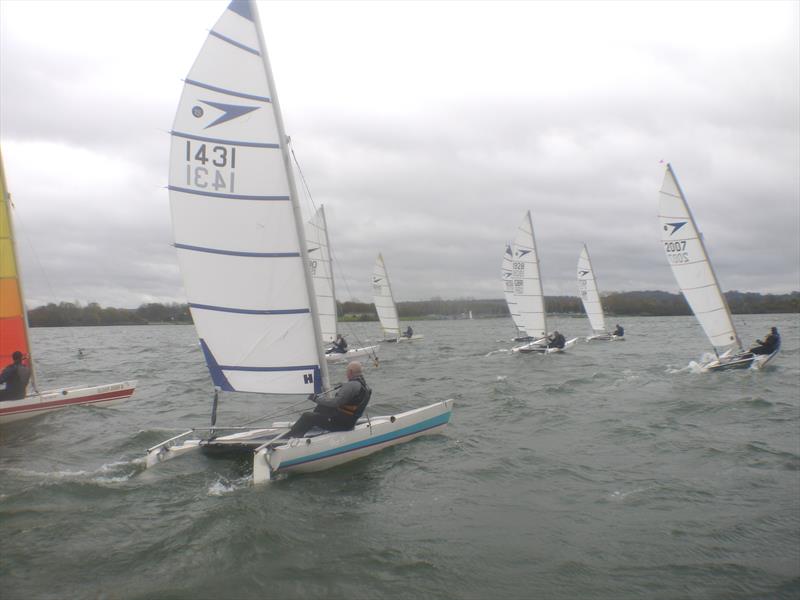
[
  {"x": 691, "y": 266},
  {"x": 330, "y": 262},
  {"x": 13, "y": 315},
  {"x": 298, "y": 217},
  {"x": 322, "y": 273}
]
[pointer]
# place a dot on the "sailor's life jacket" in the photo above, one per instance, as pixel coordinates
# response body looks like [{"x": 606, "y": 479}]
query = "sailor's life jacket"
[{"x": 354, "y": 408}]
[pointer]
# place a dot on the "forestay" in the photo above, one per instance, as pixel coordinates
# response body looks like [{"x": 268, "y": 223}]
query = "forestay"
[
  {"x": 590, "y": 296},
  {"x": 687, "y": 256},
  {"x": 236, "y": 221},
  {"x": 319, "y": 261},
  {"x": 526, "y": 281},
  {"x": 384, "y": 300}
]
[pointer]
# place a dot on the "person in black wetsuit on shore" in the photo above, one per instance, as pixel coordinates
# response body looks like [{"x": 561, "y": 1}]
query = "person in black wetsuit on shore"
[{"x": 341, "y": 412}]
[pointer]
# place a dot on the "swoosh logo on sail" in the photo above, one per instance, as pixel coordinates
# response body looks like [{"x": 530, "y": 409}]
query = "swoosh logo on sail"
[
  {"x": 582, "y": 273},
  {"x": 229, "y": 111},
  {"x": 521, "y": 253},
  {"x": 675, "y": 226}
]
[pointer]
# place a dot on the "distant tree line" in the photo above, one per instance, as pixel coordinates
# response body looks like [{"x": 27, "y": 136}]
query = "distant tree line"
[
  {"x": 647, "y": 304},
  {"x": 66, "y": 314}
]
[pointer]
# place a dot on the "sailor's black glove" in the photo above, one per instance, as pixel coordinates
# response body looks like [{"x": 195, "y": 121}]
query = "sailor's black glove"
[{"x": 312, "y": 397}]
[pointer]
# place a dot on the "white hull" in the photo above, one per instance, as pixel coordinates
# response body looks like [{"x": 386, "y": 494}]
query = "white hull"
[
  {"x": 273, "y": 454},
  {"x": 605, "y": 337},
  {"x": 738, "y": 360},
  {"x": 537, "y": 348},
  {"x": 355, "y": 353},
  {"x": 37, "y": 404},
  {"x": 413, "y": 338}
]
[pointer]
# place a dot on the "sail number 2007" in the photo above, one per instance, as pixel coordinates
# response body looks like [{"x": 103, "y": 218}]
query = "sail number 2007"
[
  {"x": 676, "y": 252},
  {"x": 210, "y": 166}
]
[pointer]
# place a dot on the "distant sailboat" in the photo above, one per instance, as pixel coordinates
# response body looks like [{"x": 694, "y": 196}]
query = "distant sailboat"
[
  {"x": 14, "y": 336},
  {"x": 590, "y": 297},
  {"x": 244, "y": 260},
  {"x": 386, "y": 306},
  {"x": 523, "y": 285},
  {"x": 321, "y": 264},
  {"x": 687, "y": 255}
]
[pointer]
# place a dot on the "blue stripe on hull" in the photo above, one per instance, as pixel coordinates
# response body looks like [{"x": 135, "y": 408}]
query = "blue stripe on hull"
[{"x": 372, "y": 441}]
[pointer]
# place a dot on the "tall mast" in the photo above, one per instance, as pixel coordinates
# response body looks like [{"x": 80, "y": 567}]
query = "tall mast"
[{"x": 298, "y": 217}]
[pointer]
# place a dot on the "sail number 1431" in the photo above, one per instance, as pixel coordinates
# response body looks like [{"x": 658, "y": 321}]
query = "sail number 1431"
[{"x": 211, "y": 166}]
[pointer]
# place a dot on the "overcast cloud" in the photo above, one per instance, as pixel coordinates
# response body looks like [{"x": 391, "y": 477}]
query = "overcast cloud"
[{"x": 427, "y": 129}]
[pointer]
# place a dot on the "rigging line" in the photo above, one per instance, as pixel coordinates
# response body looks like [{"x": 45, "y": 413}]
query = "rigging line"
[
  {"x": 335, "y": 261},
  {"x": 19, "y": 228}
]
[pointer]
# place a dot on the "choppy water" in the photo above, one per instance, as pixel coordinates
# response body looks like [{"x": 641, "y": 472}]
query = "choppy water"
[{"x": 612, "y": 471}]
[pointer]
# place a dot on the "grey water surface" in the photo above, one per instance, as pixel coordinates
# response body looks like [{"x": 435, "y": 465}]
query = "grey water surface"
[{"x": 611, "y": 471}]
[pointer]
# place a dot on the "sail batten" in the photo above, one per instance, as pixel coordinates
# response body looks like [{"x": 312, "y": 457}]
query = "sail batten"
[{"x": 688, "y": 258}]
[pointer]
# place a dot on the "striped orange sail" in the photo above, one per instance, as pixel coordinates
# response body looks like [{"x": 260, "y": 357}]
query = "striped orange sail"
[{"x": 13, "y": 322}]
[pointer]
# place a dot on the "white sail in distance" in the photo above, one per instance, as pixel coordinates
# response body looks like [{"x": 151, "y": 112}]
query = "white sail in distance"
[
  {"x": 506, "y": 275},
  {"x": 319, "y": 261},
  {"x": 686, "y": 254},
  {"x": 236, "y": 221},
  {"x": 384, "y": 300},
  {"x": 590, "y": 296},
  {"x": 526, "y": 281}
]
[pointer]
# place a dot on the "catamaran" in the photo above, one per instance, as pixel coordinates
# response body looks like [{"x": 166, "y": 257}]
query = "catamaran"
[
  {"x": 321, "y": 265},
  {"x": 14, "y": 336},
  {"x": 243, "y": 256},
  {"x": 590, "y": 297},
  {"x": 687, "y": 255},
  {"x": 386, "y": 306},
  {"x": 523, "y": 285}
]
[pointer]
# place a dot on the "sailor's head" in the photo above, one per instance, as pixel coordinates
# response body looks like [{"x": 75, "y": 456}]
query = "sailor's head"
[
  {"x": 17, "y": 356},
  {"x": 353, "y": 370},
  {"x": 775, "y": 330}
]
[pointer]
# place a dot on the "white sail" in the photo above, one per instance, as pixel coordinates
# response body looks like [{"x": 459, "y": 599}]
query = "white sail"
[
  {"x": 527, "y": 282},
  {"x": 319, "y": 260},
  {"x": 506, "y": 274},
  {"x": 687, "y": 256},
  {"x": 236, "y": 221},
  {"x": 590, "y": 296},
  {"x": 384, "y": 300}
]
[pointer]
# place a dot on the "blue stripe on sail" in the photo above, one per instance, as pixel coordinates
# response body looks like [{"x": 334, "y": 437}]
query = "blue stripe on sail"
[
  {"x": 221, "y": 381},
  {"x": 234, "y": 43},
  {"x": 217, "y": 376},
  {"x": 213, "y": 88},
  {"x": 238, "y": 253},
  {"x": 200, "y": 138},
  {"x": 251, "y": 311},
  {"x": 372, "y": 441},
  {"x": 241, "y": 8},
  {"x": 175, "y": 188}
]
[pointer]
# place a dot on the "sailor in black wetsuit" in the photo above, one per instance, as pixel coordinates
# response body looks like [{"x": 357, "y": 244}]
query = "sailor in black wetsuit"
[
  {"x": 556, "y": 340},
  {"x": 339, "y": 345},
  {"x": 770, "y": 343},
  {"x": 341, "y": 412},
  {"x": 619, "y": 331},
  {"x": 15, "y": 376},
  {"x": 409, "y": 332}
]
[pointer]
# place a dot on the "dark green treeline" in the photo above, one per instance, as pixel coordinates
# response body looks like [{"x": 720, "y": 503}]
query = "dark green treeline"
[{"x": 648, "y": 304}]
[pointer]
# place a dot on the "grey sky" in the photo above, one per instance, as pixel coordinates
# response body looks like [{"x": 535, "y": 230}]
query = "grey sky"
[{"x": 427, "y": 130}]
